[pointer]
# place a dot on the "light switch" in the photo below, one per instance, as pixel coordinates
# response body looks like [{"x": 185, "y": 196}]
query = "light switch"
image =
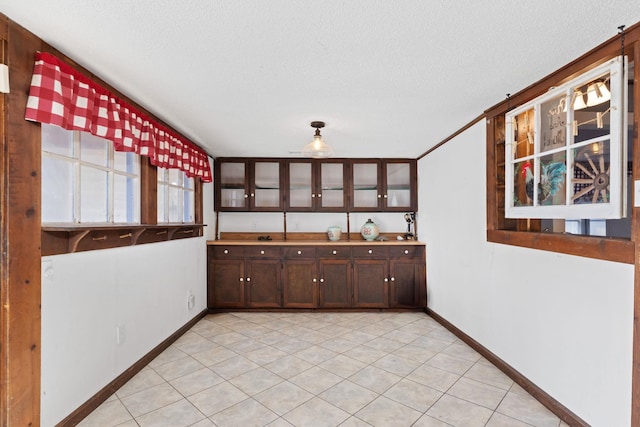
[{"x": 636, "y": 193}]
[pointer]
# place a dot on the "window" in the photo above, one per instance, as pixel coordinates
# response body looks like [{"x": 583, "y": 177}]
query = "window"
[
  {"x": 566, "y": 150},
  {"x": 176, "y": 197},
  {"x": 588, "y": 233},
  {"x": 96, "y": 191},
  {"x": 84, "y": 180}
]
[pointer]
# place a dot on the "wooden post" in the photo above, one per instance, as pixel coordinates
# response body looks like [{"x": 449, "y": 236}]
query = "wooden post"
[
  {"x": 635, "y": 237},
  {"x": 20, "y": 238}
]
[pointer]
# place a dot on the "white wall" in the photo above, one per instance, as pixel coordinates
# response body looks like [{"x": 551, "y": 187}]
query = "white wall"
[
  {"x": 564, "y": 322},
  {"x": 86, "y": 295},
  {"x": 318, "y": 222}
]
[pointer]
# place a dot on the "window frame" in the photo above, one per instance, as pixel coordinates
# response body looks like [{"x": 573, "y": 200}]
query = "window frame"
[
  {"x": 615, "y": 208},
  {"x": 66, "y": 238},
  {"x": 77, "y": 164},
  {"x": 164, "y": 188},
  {"x": 527, "y": 232}
]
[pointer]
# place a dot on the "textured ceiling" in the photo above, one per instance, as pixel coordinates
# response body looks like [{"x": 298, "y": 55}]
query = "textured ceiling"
[{"x": 390, "y": 78}]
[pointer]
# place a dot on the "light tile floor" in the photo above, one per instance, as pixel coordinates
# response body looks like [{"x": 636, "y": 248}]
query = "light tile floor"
[{"x": 320, "y": 369}]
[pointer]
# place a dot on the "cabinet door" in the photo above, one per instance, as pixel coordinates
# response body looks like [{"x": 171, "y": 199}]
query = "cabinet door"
[
  {"x": 335, "y": 282},
  {"x": 266, "y": 186},
  {"x": 366, "y": 182},
  {"x": 370, "y": 283},
  {"x": 331, "y": 195},
  {"x": 301, "y": 193},
  {"x": 226, "y": 283},
  {"x": 400, "y": 185},
  {"x": 300, "y": 284},
  {"x": 406, "y": 283},
  {"x": 232, "y": 185},
  {"x": 263, "y": 283}
]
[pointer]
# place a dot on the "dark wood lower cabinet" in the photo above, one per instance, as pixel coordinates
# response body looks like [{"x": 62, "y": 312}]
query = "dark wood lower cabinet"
[
  {"x": 299, "y": 284},
  {"x": 403, "y": 291},
  {"x": 263, "y": 283},
  {"x": 324, "y": 277},
  {"x": 226, "y": 283},
  {"x": 371, "y": 279},
  {"x": 336, "y": 287}
]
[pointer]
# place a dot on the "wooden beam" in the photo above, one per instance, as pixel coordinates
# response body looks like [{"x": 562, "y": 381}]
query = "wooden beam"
[
  {"x": 635, "y": 237},
  {"x": 20, "y": 239},
  {"x": 148, "y": 191}
]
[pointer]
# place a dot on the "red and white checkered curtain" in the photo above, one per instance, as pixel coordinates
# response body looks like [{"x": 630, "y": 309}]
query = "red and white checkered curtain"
[{"x": 62, "y": 96}]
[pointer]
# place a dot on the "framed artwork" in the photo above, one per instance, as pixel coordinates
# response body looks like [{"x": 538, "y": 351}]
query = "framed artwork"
[{"x": 565, "y": 151}]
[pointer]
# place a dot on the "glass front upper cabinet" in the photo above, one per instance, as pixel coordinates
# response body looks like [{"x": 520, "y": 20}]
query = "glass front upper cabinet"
[
  {"x": 266, "y": 189},
  {"x": 400, "y": 182},
  {"x": 313, "y": 185},
  {"x": 316, "y": 186},
  {"x": 384, "y": 185},
  {"x": 233, "y": 182},
  {"x": 248, "y": 185},
  {"x": 366, "y": 185}
]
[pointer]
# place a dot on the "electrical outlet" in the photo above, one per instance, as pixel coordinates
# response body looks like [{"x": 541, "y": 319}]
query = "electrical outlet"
[
  {"x": 191, "y": 301},
  {"x": 121, "y": 334}
]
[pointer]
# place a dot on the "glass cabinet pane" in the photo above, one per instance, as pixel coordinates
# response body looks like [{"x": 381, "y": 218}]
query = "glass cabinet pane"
[
  {"x": 398, "y": 178},
  {"x": 232, "y": 185},
  {"x": 365, "y": 185},
  {"x": 300, "y": 185},
  {"x": 332, "y": 185},
  {"x": 266, "y": 185}
]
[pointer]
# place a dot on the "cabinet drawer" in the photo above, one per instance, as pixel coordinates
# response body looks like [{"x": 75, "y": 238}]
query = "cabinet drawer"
[
  {"x": 406, "y": 251},
  {"x": 262, "y": 252},
  {"x": 222, "y": 252},
  {"x": 299, "y": 252},
  {"x": 334, "y": 252},
  {"x": 370, "y": 252}
]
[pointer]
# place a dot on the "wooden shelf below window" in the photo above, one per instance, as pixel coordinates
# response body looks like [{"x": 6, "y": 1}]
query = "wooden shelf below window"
[{"x": 64, "y": 239}]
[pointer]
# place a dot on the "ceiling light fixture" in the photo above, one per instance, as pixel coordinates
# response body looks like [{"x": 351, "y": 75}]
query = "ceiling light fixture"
[{"x": 317, "y": 148}]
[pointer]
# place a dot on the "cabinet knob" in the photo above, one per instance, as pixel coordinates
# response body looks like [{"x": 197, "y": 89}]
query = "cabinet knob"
[
  {"x": 386, "y": 280},
  {"x": 379, "y": 196},
  {"x": 226, "y": 251},
  {"x": 319, "y": 195},
  {"x": 385, "y": 196},
  {"x": 314, "y": 280},
  {"x": 406, "y": 251},
  {"x": 253, "y": 195},
  {"x": 261, "y": 252},
  {"x": 321, "y": 280},
  {"x": 299, "y": 252},
  {"x": 313, "y": 195},
  {"x": 335, "y": 252},
  {"x": 246, "y": 196},
  {"x": 242, "y": 279},
  {"x": 370, "y": 251},
  {"x": 249, "y": 279},
  {"x": 393, "y": 279}
]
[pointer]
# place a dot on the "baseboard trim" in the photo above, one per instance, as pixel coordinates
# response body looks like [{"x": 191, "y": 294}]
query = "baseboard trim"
[
  {"x": 544, "y": 398},
  {"x": 96, "y": 400}
]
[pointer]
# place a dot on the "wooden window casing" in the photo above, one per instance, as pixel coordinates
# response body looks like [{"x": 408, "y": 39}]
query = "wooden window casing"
[{"x": 527, "y": 232}]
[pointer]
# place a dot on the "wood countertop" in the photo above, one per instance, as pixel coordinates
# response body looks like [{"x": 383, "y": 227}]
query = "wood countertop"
[{"x": 312, "y": 242}]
